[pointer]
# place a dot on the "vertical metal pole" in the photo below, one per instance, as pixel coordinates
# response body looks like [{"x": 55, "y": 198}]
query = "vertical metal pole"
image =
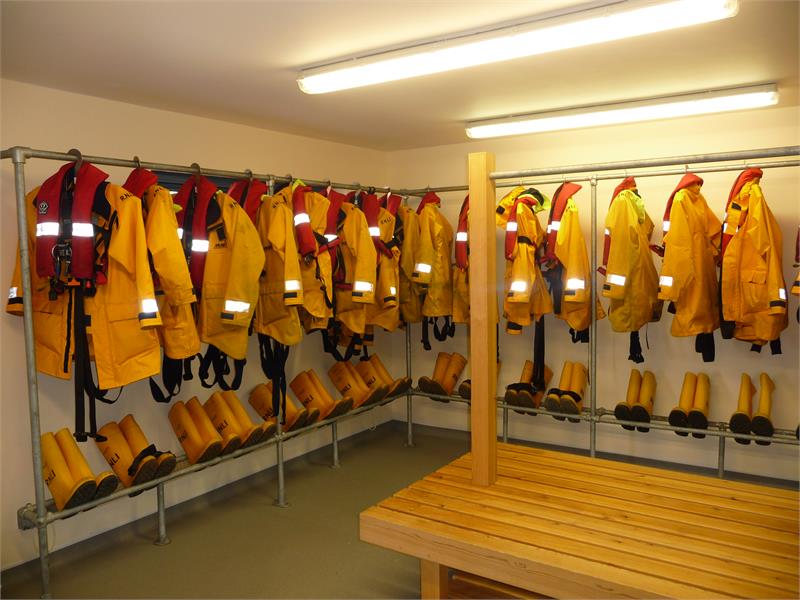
[
  {"x": 409, "y": 397},
  {"x": 281, "y": 500},
  {"x": 18, "y": 157},
  {"x": 593, "y": 326},
  {"x": 721, "y": 458},
  {"x": 505, "y": 424},
  {"x": 162, "y": 540},
  {"x": 335, "y": 443}
]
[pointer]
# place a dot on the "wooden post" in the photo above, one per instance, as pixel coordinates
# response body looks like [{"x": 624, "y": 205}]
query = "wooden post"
[
  {"x": 483, "y": 317},
  {"x": 433, "y": 580}
]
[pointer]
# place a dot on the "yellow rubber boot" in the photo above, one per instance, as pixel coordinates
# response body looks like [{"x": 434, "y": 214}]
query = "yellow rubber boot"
[
  {"x": 197, "y": 448},
  {"x": 120, "y": 457},
  {"x": 225, "y": 424},
  {"x": 571, "y": 400},
  {"x": 348, "y": 386},
  {"x": 297, "y": 418},
  {"x": 309, "y": 395},
  {"x": 67, "y": 492},
  {"x": 432, "y": 385},
  {"x": 762, "y": 423},
  {"x": 364, "y": 370},
  {"x": 552, "y": 401},
  {"x": 679, "y": 416},
  {"x": 455, "y": 367},
  {"x": 740, "y": 420},
  {"x": 165, "y": 461},
  {"x": 513, "y": 391},
  {"x": 106, "y": 482},
  {"x": 642, "y": 409},
  {"x": 261, "y": 400},
  {"x": 698, "y": 416},
  {"x": 250, "y": 433},
  {"x": 396, "y": 386},
  {"x": 339, "y": 406},
  {"x": 622, "y": 411},
  {"x": 539, "y": 393},
  {"x": 208, "y": 433},
  {"x": 465, "y": 388}
]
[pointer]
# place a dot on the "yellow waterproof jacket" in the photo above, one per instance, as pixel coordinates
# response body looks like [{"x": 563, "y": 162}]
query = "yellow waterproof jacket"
[
  {"x": 225, "y": 261},
  {"x": 688, "y": 273},
  {"x": 173, "y": 285},
  {"x": 461, "y": 267},
  {"x": 385, "y": 311},
  {"x": 123, "y": 312},
  {"x": 571, "y": 277},
  {"x": 796, "y": 284},
  {"x": 526, "y": 297},
  {"x": 280, "y": 289},
  {"x": 432, "y": 269},
  {"x": 754, "y": 301},
  {"x": 410, "y": 294},
  {"x": 631, "y": 277}
]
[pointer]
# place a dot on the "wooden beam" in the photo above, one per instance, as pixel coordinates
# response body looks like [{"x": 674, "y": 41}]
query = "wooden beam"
[
  {"x": 433, "y": 580},
  {"x": 483, "y": 317}
]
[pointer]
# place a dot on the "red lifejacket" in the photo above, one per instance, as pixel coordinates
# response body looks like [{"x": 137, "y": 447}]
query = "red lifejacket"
[
  {"x": 564, "y": 192},
  {"x": 462, "y": 236},
  {"x": 371, "y": 207},
  {"x": 248, "y": 192},
  {"x": 428, "y": 198},
  {"x": 686, "y": 181},
  {"x": 528, "y": 199},
  {"x": 139, "y": 180},
  {"x": 306, "y": 242},
  {"x": 629, "y": 183},
  {"x": 77, "y": 230},
  {"x": 336, "y": 200},
  {"x": 744, "y": 177},
  {"x": 391, "y": 202},
  {"x": 194, "y": 197}
]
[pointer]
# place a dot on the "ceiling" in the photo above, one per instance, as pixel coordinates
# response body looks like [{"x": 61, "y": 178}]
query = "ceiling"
[{"x": 238, "y": 61}]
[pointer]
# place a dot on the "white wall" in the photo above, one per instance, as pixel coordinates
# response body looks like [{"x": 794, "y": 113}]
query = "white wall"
[
  {"x": 669, "y": 358},
  {"x": 48, "y": 119}
]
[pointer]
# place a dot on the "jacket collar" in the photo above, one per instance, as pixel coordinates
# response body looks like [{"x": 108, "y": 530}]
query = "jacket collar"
[{"x": 139, "y": 180}]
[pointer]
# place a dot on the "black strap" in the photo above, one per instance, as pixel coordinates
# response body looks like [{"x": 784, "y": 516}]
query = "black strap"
[
  {"x": 330, "y": 342},
  {"x": 273, "y": 356},
  {"x": 426, "y": 342},
  {"x": 635, "y": 348},
  {"x": 448, "y": 328},
  {"x": 538, "y": 354},
  {"x": 774, "y": 346},
  {"x": 581, "y": 336},
  {"x": 149, "y": 451},
  {"x": 218, "y": 360},
  {"x": 171, "y": 375},
  {"x": 704, "y": 344}
]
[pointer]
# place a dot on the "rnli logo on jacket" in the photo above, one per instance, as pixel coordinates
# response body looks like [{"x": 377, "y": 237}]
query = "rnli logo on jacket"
[{"x": 43, "y": 206}]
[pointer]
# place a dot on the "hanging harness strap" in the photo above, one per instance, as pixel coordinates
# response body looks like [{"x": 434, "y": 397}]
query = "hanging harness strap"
[
  {"x": 635, "y": 348},
  {"x": 538, "y": 355},
  {"x": 704, "y": 344},
  {"x": 273, "y": 356},
  {"x": 171, "y": 375},
  {"x": 218, "y": 360}
]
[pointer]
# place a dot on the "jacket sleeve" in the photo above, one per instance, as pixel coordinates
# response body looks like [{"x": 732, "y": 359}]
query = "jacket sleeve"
[
  {"x": 365, "y": 257},
  {"x": 247, "y": 261},
  {"x": 520, "y": 275},
  {"x": 165, "y": 247},
  {"x": 571, "y": 250},
  {"x": 620, "y": 254},
  {"x": 425, "y": 251},
  {"x": 280, "y": 236},
  {"x": 410, "y": 240},
  {"x": 677, "y": 269},
  {"x": 766, "y": 237},
  {"x": 14, "y": 304}
]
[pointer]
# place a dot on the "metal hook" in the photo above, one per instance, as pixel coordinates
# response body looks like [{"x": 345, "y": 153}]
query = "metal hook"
[
  {"x": 137, "y": 161},
  {"x": 249, "y": 174},
  {"x": 78, "y": 158},
  {"x": 685, "y": 168},
  {"x": 197, "y": 170}
]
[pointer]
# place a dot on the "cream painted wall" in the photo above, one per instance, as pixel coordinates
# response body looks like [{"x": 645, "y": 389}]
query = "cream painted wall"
[
  {"x": 667, "y": 357},
  {"x": 44, "y": 118}
]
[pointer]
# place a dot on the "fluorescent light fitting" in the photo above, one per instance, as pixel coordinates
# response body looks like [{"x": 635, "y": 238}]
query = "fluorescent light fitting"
[
  {"x": 667, "y": 107},
  {"x": 619, "y": 20}
]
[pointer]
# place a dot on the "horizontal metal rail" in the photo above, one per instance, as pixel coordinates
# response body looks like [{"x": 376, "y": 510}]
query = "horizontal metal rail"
[
  {"x": 26, "y": 516},
  {"x": 606, "y": 417}
]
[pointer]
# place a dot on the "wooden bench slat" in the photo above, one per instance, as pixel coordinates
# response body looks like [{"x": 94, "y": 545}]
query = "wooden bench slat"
[
  {"x": 665, "y": 473},
  {"x": 511, "y": 562},
  {"x": 626, "y": 527},
  {"x": 708, "y": 487},
  {"x": 574, "y": 498},
  {"x": 595, "y": 544},
  {"x": 652, "y": 489}
]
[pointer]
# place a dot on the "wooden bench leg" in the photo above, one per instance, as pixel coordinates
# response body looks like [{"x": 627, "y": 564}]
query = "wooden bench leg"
[{"x": 433, "y": 580}]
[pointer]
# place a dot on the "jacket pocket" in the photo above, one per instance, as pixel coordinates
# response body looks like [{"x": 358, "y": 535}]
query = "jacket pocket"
[
  {"x": 755, "y": 292},
  {"x": 127, "y": 339}
]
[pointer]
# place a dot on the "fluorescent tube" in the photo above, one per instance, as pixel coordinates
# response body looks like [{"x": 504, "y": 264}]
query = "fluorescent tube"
[
  {"x": 629, "y": 112},
  {"x": 629, "y": 18}
]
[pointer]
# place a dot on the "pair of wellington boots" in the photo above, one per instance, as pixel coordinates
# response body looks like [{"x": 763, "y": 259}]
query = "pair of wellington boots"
[
  {"x": 362, "y": 383},
  {"x": 374, "y": 365},
  {"x": 567, "y": 398},
  {"x": 294, "y": 417},
  {"x": 133, "y": 459},
  {"x": 639, "y": 399},
  {"x": 313, "y": 395},
  {"x": 692, "y": 409},
  {"x": 465, "y": 388},
  {"x": 446, "y": 373},
  {"x": 67, "y": 474},
  {"x": 196, "y": 433},
  {"x": 232, "y": 422},
  {"x": 743, "y": 420},
  {"x": 523, "y": 393}
]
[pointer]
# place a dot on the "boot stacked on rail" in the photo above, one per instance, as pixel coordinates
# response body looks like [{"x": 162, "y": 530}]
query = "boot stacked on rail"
[
  {"x": 523, "y": 393},
  {"x": 568, "y": 396},
  {"x": 639, "y": 400},
  {"x": 692, "y": 409},
  {"x": 743, "y": 421},
  {"x": 446, "y": 373}
]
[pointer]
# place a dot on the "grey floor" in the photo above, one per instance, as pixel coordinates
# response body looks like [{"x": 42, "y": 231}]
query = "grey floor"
[{"x": 233, "y": 543}]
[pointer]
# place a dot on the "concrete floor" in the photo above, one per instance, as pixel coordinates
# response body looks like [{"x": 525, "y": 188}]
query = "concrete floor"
[{"x": 232, "y": 543}]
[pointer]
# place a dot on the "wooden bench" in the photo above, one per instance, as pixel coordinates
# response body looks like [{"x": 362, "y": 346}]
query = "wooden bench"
[{"x": 567, "y": 526}]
